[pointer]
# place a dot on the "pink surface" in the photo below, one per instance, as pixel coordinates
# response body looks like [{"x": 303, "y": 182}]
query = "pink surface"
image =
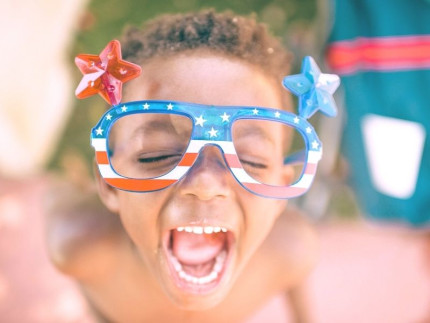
[
  {"x": 365, "y": 273},
  {"x": 371, "y": 274},
  {"x": 30, "y": 288}
]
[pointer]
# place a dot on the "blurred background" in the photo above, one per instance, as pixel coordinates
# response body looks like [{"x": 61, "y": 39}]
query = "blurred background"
[{"x": 374, "y": 264}]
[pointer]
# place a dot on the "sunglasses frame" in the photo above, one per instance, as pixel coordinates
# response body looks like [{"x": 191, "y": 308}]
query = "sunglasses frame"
[{"x": 203, "y": 135}]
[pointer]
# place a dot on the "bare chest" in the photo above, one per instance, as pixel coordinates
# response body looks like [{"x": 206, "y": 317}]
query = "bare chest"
[{"x": 132, "y": 298}]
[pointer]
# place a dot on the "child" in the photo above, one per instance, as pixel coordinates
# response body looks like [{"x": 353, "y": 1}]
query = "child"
[{"x": 204, "y": 245}]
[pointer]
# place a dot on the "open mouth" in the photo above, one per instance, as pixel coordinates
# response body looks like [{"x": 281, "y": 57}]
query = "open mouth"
[{"x": 198, "y": 256}]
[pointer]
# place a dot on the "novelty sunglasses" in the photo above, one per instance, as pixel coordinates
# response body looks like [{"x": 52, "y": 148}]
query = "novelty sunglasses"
[{"x": 147, "y": 146}]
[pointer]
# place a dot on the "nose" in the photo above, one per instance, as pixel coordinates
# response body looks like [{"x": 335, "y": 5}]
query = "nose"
[{"x": 209, "y": 177}]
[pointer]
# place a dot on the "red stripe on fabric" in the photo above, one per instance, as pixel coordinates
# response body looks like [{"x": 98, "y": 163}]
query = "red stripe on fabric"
[
  {"x": 102, "y": 157},
  {"x": 139, "y": 185},
  {"x": 382, "y": 53},
  {"x": 233, "y": 161},
  {"x": 275, "y": 191},
  {"x": 188, "y": 159}
]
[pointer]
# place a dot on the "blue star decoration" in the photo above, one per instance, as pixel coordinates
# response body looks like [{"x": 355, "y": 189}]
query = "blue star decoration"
[{"x": 314, "y": 89}]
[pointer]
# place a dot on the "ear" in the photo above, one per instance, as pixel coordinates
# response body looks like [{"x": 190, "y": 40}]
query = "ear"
[{"x": 107, "y": 193}]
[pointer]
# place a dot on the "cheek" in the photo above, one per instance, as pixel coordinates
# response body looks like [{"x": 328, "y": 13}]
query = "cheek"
[
  {"x": 261, "y": 214},
  {"x": 139, "y": 215},
  {"x": 264, "y": 210}
]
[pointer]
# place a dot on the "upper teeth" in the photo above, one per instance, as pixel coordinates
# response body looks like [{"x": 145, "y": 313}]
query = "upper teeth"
[{"x": 201, "y": 230}]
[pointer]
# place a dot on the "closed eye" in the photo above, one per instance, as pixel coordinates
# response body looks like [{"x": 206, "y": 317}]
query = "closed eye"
[
  {"x": 253, "y": 164},
  {"x": 157, "y": 158}
]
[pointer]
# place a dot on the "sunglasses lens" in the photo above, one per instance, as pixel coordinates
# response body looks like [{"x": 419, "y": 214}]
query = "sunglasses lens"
[
  {"x": 270, "y": 152},
  {"x": 148, "y": 145}
]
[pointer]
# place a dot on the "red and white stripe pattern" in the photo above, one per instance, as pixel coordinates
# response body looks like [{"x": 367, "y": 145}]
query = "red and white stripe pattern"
[
  {"x": 379, "y": 54},
  {"x": 294, "y": 190},
  {"x": 153, "y": 184}
]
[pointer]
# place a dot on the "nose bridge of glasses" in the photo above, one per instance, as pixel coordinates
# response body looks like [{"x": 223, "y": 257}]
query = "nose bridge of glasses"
[
  {"x": 225, "y": 149},
  {"x": 212, "y": 151}
]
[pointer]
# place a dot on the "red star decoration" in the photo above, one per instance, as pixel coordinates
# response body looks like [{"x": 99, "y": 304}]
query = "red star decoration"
[{"x": 105, "y": 74}]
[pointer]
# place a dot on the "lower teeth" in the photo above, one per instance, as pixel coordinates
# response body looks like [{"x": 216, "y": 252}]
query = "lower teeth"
[{"x": 219, "y": 264}]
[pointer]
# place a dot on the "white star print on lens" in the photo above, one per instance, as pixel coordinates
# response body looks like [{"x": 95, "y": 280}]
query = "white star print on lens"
[
  {"x": 315, "y": 145},
  {"x": 213, "y": 132},
  {"x": 200, "y": 121},
  {"x": 225, "y": 117}
]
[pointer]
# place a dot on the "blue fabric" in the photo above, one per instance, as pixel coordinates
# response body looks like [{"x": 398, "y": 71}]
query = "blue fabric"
[{"x": 403, "y": 94}]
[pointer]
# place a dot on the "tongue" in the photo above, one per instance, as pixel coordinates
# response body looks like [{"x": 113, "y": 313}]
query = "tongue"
[{"x": 195, "y": 249}]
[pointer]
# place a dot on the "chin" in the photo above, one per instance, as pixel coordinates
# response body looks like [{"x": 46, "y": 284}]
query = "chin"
[{"x": 196, "y": 303}]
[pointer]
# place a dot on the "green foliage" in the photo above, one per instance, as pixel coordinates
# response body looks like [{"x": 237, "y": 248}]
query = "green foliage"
[{"x": 108, "y": 17}]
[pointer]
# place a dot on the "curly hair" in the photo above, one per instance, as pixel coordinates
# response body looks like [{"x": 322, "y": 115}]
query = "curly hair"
[{"x": 222, "y": 33}]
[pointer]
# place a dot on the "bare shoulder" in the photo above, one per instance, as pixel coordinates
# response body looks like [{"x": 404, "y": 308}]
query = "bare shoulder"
[
  {"x": 83, "y": 237},
  {"x": 293, "y": 246}
]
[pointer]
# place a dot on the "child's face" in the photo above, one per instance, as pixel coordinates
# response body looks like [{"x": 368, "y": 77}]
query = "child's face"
[{"x": 196, "y": 270}]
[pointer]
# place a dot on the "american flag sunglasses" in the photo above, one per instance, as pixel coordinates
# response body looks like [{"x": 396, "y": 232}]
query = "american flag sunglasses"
[{"x": 208, "y": 125}]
